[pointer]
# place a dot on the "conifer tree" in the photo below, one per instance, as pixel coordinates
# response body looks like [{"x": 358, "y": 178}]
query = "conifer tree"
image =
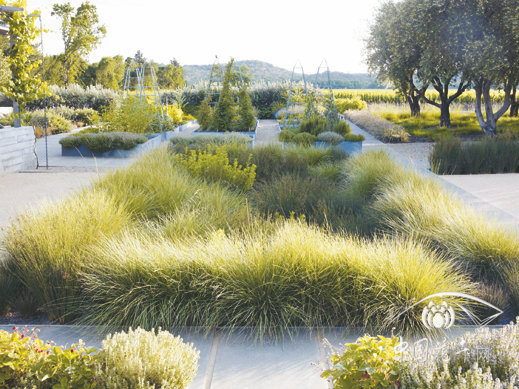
[
  {"x": 247, "y": 119},
  {"x": 224, "y": 110},
  {"x": 204, "y": 114}
]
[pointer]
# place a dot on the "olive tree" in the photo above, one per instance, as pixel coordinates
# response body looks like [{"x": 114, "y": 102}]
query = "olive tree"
[
  {"x": 492, "y": 55},
  {"x": 393, "y": 52},
  {"x": 440, "y": 30}
]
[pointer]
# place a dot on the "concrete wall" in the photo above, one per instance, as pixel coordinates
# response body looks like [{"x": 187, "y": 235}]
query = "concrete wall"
[{"x": 17, "y": 149}]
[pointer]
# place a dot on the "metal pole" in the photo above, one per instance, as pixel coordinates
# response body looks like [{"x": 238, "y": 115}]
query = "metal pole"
[{"x": 44, "y": 96}]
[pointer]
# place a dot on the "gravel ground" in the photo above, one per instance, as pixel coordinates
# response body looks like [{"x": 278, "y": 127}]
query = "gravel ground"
[{"x": 415, "y": 151}]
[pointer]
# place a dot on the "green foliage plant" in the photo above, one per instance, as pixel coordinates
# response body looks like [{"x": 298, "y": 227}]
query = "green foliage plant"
[
  {"x": 104, "y": 141},
  {"x": 341, "y": 127},
  {"x": 214, "y": 164},
  {"x": 346, "y": 104},
  {"x": 286, "y": 136},
  {"x": 332, "y": 138},
  {"x": 314, "y": 125},
  {"x": 26, "y": 361},
  {"x": 23, "y": 87},
  {"x": 81, "y": 34},
  {"x": 131, "y": 115},
  {"x": 304, "y": 139},
  {"x": 204, "y": 116},
  {"x": 147, "y": 359},
  {"x": 371, "y": 362}
]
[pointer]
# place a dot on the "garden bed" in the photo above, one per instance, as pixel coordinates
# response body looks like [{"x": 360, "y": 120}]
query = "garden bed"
[{"x": 154, "y": 140}]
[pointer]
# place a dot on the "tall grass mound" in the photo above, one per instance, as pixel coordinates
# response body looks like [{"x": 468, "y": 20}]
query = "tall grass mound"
[
  {"x": 47, "y": 248},
  {"x": 296, "y": 276},
  {"x": 409, "y": 204},
  {"x": 451, "y": 156}
]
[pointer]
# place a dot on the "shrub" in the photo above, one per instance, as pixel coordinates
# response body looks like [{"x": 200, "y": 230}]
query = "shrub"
[
  {"x": 395, "y": 135},
  {"x": 341, "y": 127},
  {"x": 57, "y": 124},
  {"x": 332, "y": 138},
  {"x": 481, "y": 359},
  {"x": 75, "y": 96},
  {"x": 354, "y": 138},
  {"x": 286, "y": 136},
  {"x": 84, "y": 116},
  {"x": 202, "y": 140},
  {"x": 214, "y": 164},
  {"x": 451, "y": 156},
  {"x": 175, "y": 113},
  {"x": 304, "y": 139},
  {"x": 102, "y": 142},
  {"x": 131, "y": 115},
  {"x": 314, "y": 125},
  {"x": 148, "y": 360},
  {"x": 380, "y": 128},
  {"x": 347, "y": 104},
  {"x": 28, "y": 362},
  {"x": 368, "y": 363}
]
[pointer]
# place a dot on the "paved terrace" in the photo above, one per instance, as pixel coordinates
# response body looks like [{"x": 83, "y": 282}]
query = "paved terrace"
[{"x": 233, "y": 360}]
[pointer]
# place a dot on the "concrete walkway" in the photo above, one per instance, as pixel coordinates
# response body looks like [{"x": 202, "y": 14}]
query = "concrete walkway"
[{"x": 267, "y": 132}]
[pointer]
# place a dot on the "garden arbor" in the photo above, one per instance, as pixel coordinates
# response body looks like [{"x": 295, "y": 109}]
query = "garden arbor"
[
  {"x": 326, "y": 99},
  {"x": 140, "y": 81},
  {"x": 297, "y": 97}
]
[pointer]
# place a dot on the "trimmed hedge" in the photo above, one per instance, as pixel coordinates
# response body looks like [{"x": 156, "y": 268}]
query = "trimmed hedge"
[{"x": 103, "y": 141}]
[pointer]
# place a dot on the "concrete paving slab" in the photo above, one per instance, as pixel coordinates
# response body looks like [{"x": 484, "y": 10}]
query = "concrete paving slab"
[
  {"x": 203, "y": 344},
  {"x": 19, "y": 191},
  {"x": 242, "y": 363},
  {"x": 499, "y": 190}
]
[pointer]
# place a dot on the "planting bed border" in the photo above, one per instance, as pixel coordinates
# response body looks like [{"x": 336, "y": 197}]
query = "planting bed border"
[
  {"x": 346, "y": 146},
  {"x": 153, "y": 142}
]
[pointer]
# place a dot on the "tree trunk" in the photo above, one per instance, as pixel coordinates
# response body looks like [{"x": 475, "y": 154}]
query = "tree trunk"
[
  {"x": 445, "y": 115},
  {"x": 489, "y": 123},
  {"x": 514, "y": 104},
  {"x": 414, "y": 103}
]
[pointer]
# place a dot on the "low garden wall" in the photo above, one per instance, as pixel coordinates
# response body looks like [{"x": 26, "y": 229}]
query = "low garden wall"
[{"x": 17, "y": 149}]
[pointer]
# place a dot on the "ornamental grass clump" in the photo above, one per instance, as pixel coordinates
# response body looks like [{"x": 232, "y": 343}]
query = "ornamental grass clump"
[
  {"x": 407, "y": 203},
  {"x": 47, "y": 247},
  {"x": 451, "y": 156},
  {"x": 270, "y": 281},
  {"x": 140, "y": 359}
]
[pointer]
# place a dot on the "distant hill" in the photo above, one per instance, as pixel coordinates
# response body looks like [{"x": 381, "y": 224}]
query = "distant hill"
[{"x": 263, "y": 71}]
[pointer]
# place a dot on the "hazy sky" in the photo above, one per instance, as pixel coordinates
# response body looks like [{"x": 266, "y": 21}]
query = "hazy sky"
[{"x": 194, "y": 31}]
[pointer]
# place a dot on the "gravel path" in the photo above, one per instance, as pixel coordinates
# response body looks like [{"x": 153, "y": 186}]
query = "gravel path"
[
  {"x": 417, "y": 152},
  {"x": 267, "y": 132}
]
